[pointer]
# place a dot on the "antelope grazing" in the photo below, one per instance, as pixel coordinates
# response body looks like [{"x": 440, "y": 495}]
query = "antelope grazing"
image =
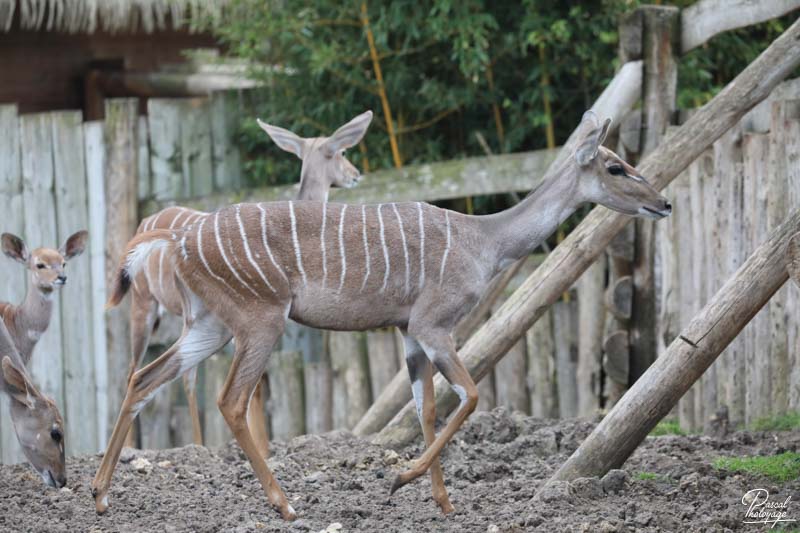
[
  {"x": 246, "y": 268},
  {"x": 323, "y": 166},
  {"x": 35, "y": 417},
  {"x": 46, "y": 273}
]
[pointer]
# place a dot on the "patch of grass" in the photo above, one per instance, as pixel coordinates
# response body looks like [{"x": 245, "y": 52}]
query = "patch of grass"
[
  {"x": 786, "y": 422},
  {"x": 651, "y": 476},
  {"x": 781, "y": 467},
  {"x": 667, "y": 427}
]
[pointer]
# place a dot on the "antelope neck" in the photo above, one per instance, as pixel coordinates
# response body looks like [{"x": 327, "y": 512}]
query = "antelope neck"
[{"x": 516, "y": 232}]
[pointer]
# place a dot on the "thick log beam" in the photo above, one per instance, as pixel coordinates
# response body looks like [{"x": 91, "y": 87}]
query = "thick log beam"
[
  {"x": 574, "y": 255},
  {"x": 690, "y": 354}
]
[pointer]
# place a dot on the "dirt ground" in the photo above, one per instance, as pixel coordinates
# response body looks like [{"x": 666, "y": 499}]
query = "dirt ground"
[{"x": 338, "y": 482}]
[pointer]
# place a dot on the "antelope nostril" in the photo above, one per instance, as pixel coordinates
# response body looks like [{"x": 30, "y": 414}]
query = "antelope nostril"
[
  {"x": 61, "y": 481},
  {"x": 62, "y": 278},
  {"x": 667, "y": 206}
]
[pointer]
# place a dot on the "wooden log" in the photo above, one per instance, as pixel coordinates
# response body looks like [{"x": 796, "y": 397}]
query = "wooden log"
[
  {"x": 286, "y": 398},
  {"x": 563, "y": 266},
  {"x": 36, "y": 144},
  {"x": 75, "y": 298},
  {"x": 619, "y": 298},
  {"x": 120, "y": 164},
  {"x": 565, "y": 332},
  {"x": 542, "y": 368},
  {"x": 685, "y": 360},
  {"x": 381, "y": 352},
  {"x": 704, "y": 19},
  {"x": 616, "y": 358},
  {"x": 96, "y": 197},
  {"x": 13, "y": 276},
  {"x": 591, "y": 319},
  {"x": 757, "y": 359},
  {"x": 351, "y": 392}
]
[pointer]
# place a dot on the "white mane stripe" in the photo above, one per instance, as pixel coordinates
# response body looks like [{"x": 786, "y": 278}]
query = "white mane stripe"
[
  {"x": 247, "y": 250},
  {"x": 160, "y": 271},
  {"x": 296, "y": 243},
  {"x": 403, "y": 239},
  {"x": 421, "y": 246},
  {"x": 385, "y": 250},
  {"x": 341, "y": 248},
  {"x": 225, "y": 256},
  {"x": 446, "y": 247},
  {"x": 266, "y": 243},
  {"x": 322, "y": 244},
  {"x": 366, "y": 244}
]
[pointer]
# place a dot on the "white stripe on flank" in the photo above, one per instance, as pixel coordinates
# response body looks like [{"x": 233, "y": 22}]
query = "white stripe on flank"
[
  {"x": 265, "y": 243},
  {"x": 446, "y": 247},
  {"x": 203, "y": 258},
  {"x": 322, "y": 244},
  {"x": 366, "y": 245},
  {"x": 247, "y": 250},
  {"x": 160, "y": 271},
  {"x": 154, "y": 219},
  {"x": 421, "y": 246},
  {"x": 175, "y": 220},
  {"x": 297, "y": 245},
  {"x": 385, "y": 251},
  {"x": 341, "y": 248},
  {"x": 183, "y": 247},
  {"x": 403, "y": 239},
  {"x": 225, "y": 257}
]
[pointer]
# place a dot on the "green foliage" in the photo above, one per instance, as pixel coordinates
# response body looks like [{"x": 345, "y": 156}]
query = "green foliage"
[
  {"x": 667, "y": 427},
  {"x": 652, "y": 476},
  {"x": 786, "y": 422},
  {"x": 782, "y": 467}
]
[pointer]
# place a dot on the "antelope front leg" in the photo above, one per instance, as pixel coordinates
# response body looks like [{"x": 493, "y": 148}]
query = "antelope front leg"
[
  {"x": 420, "y": 372},
  {"x": 190, "y": 388},
  {"x": 440, "y": 349},
  {"x": 249, "y": 362},
  {"x": 257, "y": 421}
]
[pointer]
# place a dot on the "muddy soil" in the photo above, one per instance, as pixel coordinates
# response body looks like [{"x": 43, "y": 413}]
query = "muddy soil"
[{"x": 339, "y": 482}]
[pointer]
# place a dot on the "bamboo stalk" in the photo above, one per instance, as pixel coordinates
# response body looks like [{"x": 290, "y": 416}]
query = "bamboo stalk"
[
  {"x": 376, "y": 64},
  {"x": 544, "y": 84}
]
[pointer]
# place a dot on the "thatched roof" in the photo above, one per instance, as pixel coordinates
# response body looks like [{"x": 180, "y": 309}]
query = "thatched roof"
[{"x": 113, "y": 16}]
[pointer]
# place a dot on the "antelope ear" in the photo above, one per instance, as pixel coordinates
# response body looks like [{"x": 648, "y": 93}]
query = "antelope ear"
[
  {"x": 285, "y": 139},
  {"x": 75, "y": 245},
  {"x": 348, "y": 135},
  {"x": 19, "y": 386},
  {"x": 15, "y": 248},
  {"x": 793, "y": 258},
  {"x": 587, "y": 147}
]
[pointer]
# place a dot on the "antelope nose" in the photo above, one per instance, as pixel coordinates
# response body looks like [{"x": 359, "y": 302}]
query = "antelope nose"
[
  {"x": 61, "y": 480},
  {"x": 62, "y": 278},
  {"x": 667, "y": 206}
]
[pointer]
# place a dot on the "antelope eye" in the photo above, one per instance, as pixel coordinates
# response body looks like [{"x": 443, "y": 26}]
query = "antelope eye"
[
  {"x": 56, "y": 435},
  {"x": 40, "y": 265},
  {"x": 616, "y": 170}
]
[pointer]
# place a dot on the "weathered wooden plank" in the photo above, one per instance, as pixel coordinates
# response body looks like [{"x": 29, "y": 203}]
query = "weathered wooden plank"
[
  {"x": 120, "y": 163},
  {"x": 318, "y": 381},
  {"x": 225, "y": 117},
  {"x": 286, "y": 400},
  {"x": 565, "y": 332},
  {"x": 12, "y": 275},
  {"x": 487, "y": 399},
  {"x": 381, "y": 352},
  {"x": 144, "y": 159},
  {"x": 652, "y": 397},
  {"x": 565, "y": 264},
  {"x": 591, "y": 320},
  {"x": 95, "y": 184},
  {"x": 196, "y": 151},
  {"x": 155, "y": 419},
  {"x": 542, "y": 368},
  {"x": 215, "y": 429},
  {"x": 36, "y": 143},
  {"x": 792, "y": 149},
  {"x": 351, "y": 394},
  {"x": 704, "y": 19},
  {"x": 72, "y": 214},
  {"x": 164, "y": 117}
]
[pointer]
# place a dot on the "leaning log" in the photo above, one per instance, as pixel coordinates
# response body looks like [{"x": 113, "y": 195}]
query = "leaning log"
[
  {"x": 586, "y": 242},
  {"x": 689, "y": 355}
]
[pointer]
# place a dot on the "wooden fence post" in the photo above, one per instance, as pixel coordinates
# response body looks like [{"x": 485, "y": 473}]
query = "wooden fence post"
[{"x": 685, "y": 360}]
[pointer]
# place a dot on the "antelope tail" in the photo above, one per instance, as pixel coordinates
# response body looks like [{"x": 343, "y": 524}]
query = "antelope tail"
[{"x": 135, "y": 258}]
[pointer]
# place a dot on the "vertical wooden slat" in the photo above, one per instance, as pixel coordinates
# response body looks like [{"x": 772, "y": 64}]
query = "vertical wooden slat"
[
  {"x": 565, "y": 331},
  {"x": 95, "y": 180},
  {"x": 196, "y": 150},
  {"x": 164, "y": 117},
  {"x": 71, "y": 195},
  {"x": 144, "y": 159},
  {"x": 215, "y": 429},
  {"x": 12, "y": 275},
  {"x": 792, "y": 148},
  {"x": 121, "y": 188},
  {"x": 591, "y": 319},
  {"x": 381, "y": 351},
  {"x": 225, "y": 118},
  {"x": 36, "y": 143},
  {"x": 510, "y": 374},
  {"x": 351, "y": 394},
  {"x": 541, "y": 368},
  {"x": 487, "y": 399},
  {"x": 287, "y": 410}
]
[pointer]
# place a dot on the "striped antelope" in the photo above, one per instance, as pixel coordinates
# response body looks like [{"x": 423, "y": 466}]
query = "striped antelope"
[
  {"x": 323, "y": 166},
  {"x": 246, "y": 268}
]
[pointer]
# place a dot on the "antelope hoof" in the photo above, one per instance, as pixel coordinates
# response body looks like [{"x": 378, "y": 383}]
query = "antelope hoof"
[
  {"x": 101, "y": 504},
  {"x": 446, "y": 507},
  {"x": 401, "y": 480},
  {"x": 288, "y": 513}
]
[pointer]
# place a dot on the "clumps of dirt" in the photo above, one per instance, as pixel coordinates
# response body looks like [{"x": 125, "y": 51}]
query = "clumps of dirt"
[{"x": 337, "y": 482}]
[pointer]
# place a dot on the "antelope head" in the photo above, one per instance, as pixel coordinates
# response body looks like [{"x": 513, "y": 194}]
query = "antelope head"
[
  {"x": 46, "y": 265},
  {"x": 38, "y": 425},
  {"x": 607, "y": 180},
  {"x": 324, "y": 161}
]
